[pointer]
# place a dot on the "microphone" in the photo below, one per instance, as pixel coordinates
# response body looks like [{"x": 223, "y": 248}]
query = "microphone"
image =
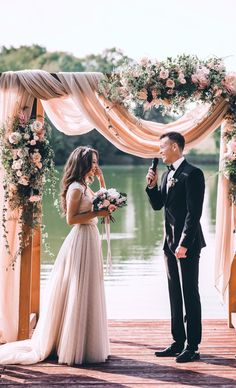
[{"x": 155, "y": 162}]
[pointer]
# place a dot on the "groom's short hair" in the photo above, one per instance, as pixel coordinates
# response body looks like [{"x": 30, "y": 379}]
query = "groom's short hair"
[{"x": 176, "y": 137}]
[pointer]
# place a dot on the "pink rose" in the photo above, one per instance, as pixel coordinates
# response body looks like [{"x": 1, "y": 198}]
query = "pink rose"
[
  {"x": 231, "y": 146},
  {"x": 194, "y": 78},
  {"x": 170, "y": 83},
  {"x": 24, "y": 180},
  {"x": 230, "y": 83},
  {"x": 34, "y": 198},
  {"x": 217, "y": 91},
  {"x": 122, "y": 92},
  {"x": 36, "y": 157},
  {"x": 203, "y": 70},
  {"x": 32, "y": 142},
  {"x": 144, "y": 61},
  {"x": 203, "y": 82},
  {"x": 164, "y": 73},
  {"x": 12, "y": 187},
  {"x": 182, "y": 80},
  {"x": 22, "y": 118}
]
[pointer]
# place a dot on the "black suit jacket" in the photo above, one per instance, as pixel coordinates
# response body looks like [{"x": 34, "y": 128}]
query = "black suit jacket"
[{"x": 183, "y": 208}]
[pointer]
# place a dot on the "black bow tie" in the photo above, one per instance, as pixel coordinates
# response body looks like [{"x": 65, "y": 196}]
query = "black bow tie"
[{"x": 171, "y": 167}]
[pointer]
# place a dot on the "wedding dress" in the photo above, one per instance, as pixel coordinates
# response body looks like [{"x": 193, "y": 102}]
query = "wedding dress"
[{"x": 73, "y": 320}]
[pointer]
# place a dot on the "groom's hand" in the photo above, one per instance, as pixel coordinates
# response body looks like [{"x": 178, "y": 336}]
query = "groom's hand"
[
  {"x": 180, "y": 252},
  {"x": 151, "y": 178}
]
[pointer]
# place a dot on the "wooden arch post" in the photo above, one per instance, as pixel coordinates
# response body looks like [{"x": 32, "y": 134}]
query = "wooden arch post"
[{"x": 29, "y": 295}]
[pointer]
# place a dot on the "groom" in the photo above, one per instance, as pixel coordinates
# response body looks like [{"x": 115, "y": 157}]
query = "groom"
[{"x": 181, "y": 193}]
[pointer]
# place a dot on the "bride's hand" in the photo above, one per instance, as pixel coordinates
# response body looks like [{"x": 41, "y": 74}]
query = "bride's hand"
[
  {"x": 102, "y": 213},
  {"x": 112, "y": 208},
  {"x": 98, "y": 173}
]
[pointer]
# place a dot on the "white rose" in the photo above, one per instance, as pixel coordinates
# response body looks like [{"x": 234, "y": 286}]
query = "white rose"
[
  {"x": 37, "y": 126},
  {"x": 113, "y": 194},
  {"x": 17, "y": 164},
  {"x": 26, "y": 136},
  {"x": 19, "y": 173},
  {"x": 14, "y": 137}
]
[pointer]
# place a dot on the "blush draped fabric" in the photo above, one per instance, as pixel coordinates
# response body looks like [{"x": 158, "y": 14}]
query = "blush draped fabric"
[{"x": 73, "y": 104}]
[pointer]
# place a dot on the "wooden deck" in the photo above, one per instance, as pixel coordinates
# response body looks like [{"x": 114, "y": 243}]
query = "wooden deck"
[{"x": 132, "y": 363}]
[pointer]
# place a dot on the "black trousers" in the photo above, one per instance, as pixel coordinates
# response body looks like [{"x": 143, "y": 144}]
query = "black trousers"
[{"x": 189, "y": 296}]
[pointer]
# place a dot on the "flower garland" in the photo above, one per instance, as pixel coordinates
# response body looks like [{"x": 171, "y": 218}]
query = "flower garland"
[
  {"x": 173, "y": 83},
  {"x": 28, "y": 161}
]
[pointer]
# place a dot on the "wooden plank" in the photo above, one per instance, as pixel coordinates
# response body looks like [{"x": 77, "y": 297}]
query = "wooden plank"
[
  {"x": 232, "y": 292},
  {"x": 132, "y": 362},
  {"x": 35, "y": 273},
  {"x": 25, "y": 291}
]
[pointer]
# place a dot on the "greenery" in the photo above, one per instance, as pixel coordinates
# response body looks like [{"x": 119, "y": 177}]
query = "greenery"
[
  {"x": 28, "y": 161},
  {"x": 169, "y": 84}
]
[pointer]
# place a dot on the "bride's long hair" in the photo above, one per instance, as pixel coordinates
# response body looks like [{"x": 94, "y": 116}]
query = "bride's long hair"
[{"x": 77, "y": 166}]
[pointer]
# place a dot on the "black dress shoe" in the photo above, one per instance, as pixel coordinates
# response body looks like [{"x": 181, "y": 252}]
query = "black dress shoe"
[
  {"x": 188, "y": 355},
  {"x": 172, "y": 351}
]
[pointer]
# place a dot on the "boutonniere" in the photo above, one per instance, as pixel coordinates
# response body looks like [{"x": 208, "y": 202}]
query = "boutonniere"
[{"x": 171, "y": 182}]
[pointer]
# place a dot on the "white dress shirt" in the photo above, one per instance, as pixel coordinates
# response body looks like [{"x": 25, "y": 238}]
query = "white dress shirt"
[{"x": 171, "y": 173}]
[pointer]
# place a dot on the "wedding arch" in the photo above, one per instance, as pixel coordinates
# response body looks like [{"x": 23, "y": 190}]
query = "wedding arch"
[{"x": 76, "y": 103}]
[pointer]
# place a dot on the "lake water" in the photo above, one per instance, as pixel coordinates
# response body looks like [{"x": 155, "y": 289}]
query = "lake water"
[{"x": 137, "y": 286}]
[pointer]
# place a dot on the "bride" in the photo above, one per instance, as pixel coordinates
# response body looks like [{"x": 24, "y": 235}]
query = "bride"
[{"x": 73, "y": 322}]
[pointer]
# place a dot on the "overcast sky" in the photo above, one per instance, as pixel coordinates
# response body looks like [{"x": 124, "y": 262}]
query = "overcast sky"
[{"x": 152, "y": 28}]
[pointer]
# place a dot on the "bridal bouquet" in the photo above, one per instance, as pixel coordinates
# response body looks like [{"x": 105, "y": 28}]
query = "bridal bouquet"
[{"x": 109, "y": 199}]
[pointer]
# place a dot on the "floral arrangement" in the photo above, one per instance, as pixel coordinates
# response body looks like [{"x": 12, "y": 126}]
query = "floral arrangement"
[
  {"x": 109, "y": 199},
  {"x": 28, "y": 159},
  {"x": 229, "y": 160},
  {"x": 171, "y": 182},
  {"x": 173, "y": 83},
  {"x": 169, "y": 83}
]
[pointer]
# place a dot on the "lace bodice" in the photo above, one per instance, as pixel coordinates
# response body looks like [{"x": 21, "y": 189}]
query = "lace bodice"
[{"x": 86, "y": 200}]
